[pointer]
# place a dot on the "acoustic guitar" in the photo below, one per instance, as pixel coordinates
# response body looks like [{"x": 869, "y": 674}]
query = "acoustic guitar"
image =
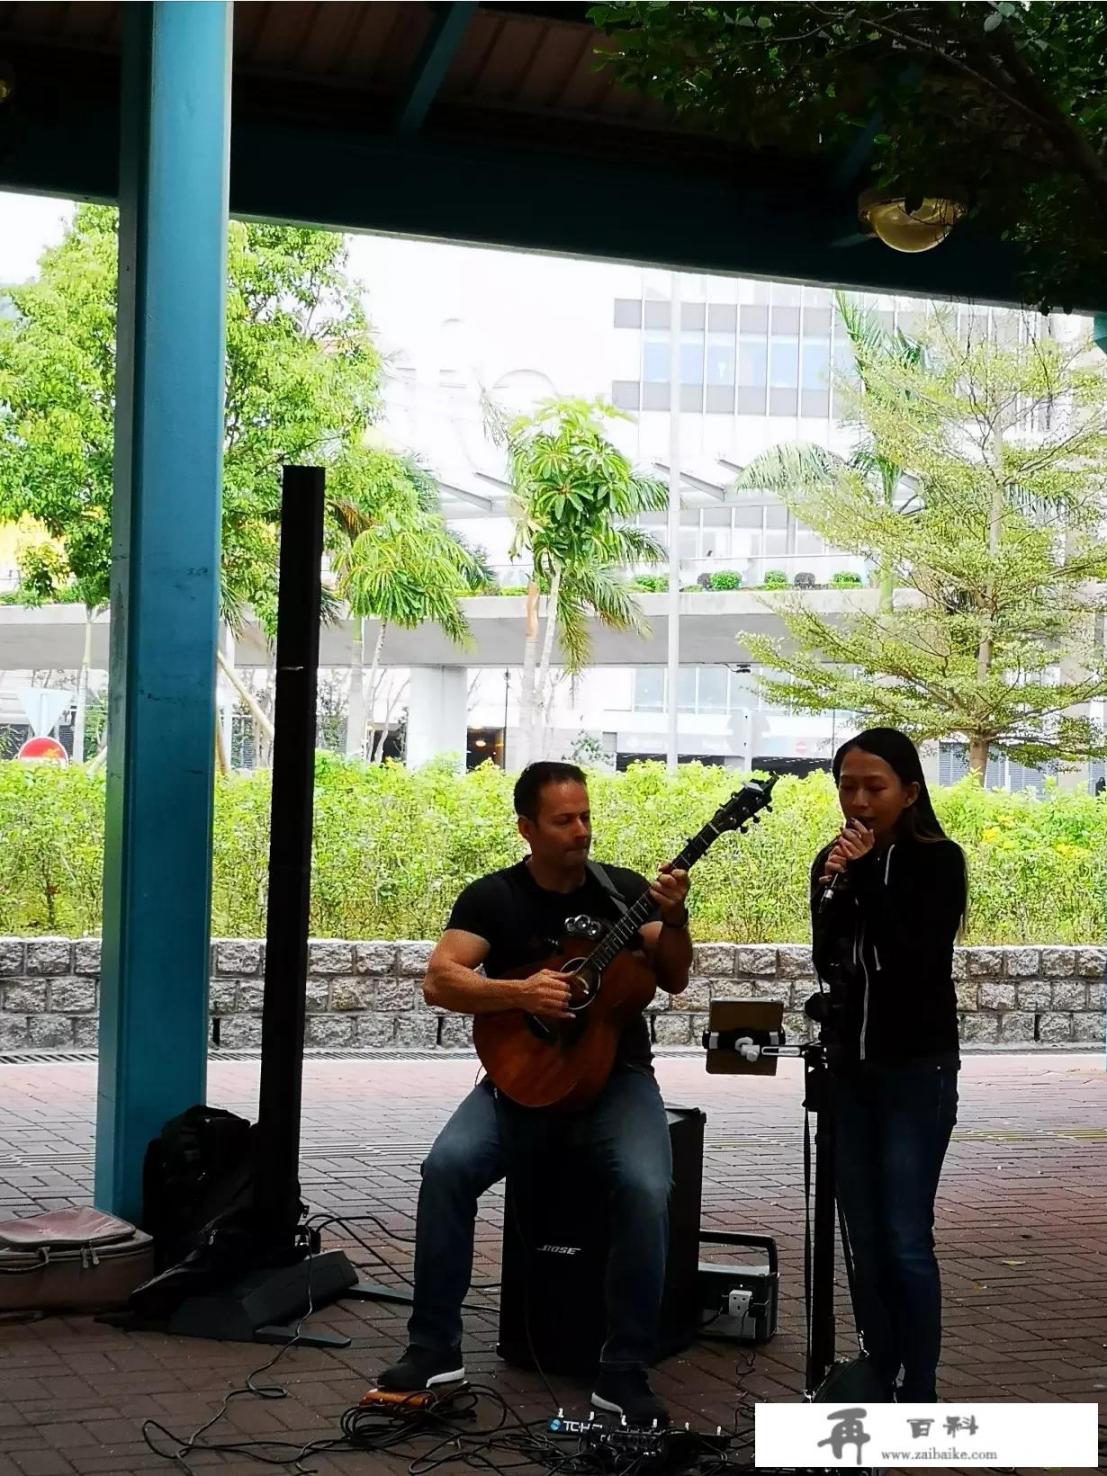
[{"x": 565, "y": 1063}]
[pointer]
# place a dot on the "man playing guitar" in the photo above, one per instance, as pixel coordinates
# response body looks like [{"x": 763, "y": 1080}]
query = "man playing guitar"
[{"x": 502, "y": 922}]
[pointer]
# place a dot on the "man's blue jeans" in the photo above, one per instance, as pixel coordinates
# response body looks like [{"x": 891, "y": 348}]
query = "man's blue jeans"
[
  {"x": 625, "y": 1131},
  {"x": 892, "y": 1128}
]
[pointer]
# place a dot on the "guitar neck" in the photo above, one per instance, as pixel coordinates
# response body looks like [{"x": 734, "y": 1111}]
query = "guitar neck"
[{"x": 626, "y": 929}]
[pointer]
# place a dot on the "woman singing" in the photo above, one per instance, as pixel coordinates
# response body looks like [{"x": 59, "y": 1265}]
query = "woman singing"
[{"x": 887, "y": 900}]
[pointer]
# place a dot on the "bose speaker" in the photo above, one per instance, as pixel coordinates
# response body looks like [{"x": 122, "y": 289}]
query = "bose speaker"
[{"x": 555, "y": 1243}]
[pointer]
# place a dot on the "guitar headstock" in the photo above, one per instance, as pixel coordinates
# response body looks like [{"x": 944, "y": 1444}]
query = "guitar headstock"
[{"x": 746, "y": 805}]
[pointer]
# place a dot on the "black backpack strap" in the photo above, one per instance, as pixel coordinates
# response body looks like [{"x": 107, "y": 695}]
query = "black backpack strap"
[{"x": 599, "y": 874}]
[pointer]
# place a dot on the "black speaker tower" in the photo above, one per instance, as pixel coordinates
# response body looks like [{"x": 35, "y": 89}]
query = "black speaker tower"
[{"x": 279, "y": 1275}]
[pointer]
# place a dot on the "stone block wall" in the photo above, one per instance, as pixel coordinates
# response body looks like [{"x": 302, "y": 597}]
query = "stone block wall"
[{"x": 367, "y": 996}]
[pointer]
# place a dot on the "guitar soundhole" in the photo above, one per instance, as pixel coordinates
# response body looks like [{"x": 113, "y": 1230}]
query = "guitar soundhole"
[{"x": 566, "y": 1032}]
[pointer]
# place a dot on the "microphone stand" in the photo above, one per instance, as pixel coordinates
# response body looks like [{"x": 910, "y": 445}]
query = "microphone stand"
[{"x": 816, "y": 1100}]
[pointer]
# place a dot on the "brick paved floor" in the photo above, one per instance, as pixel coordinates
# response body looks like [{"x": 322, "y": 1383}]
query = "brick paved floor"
[{"x": 1020, "y": 1227}]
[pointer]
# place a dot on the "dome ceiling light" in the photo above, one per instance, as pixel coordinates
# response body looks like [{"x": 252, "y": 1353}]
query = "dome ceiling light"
[{"x": 907, "y": 224}]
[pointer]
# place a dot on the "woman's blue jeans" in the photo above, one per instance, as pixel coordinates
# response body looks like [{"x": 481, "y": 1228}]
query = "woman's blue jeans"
[{"x": 892, "y": 1129}]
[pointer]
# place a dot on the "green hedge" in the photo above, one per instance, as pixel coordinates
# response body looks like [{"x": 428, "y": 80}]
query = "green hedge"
[{"x": 392, "y": 849}]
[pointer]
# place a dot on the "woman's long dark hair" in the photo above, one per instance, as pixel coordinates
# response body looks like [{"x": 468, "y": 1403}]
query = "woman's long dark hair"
[{"x": 918, "y": 821}]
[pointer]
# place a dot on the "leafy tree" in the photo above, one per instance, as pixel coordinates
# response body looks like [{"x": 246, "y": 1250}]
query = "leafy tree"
[
  {"x": 395, "y": 560},
  {"x": 996, "y": 553},
  {"x": 573, "y": 498},
  {"x": 301, "y": 386},
  {"x": 999, "y": 103}
]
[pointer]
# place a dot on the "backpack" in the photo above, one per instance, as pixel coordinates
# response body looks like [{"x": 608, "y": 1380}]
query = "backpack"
[{"x": 198, "y": 1170}]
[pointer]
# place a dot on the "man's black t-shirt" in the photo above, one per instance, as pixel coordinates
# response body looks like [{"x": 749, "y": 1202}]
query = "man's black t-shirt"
[{"x": 524, "y": 923}]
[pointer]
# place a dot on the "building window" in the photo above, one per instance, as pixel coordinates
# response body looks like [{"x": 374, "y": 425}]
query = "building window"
[
  {"x": 783, "y": 376},
  {"x": 628, "y": 312},
  {"x": 752, "y": 374},
  {"x": 626, "y": 394},
  {"x": 953, "y": 764},
  {"x": 784, "y": 363},
  {"x": 722, "y": 318},
  {"x": 655, "y": 358},
  {"x": 752, "y": 370},
  {"x": 691, "y": 358},
  {"x": 700, "y": 690},
  {"x": 657, "y": 315},
  {"x": 721, "y": 359},
  {"x": 649, "y": 689},
  {"x": 693, "y": 316},
  {"x": 711, "y": 689},
  {"x": 815, "y": 368}
]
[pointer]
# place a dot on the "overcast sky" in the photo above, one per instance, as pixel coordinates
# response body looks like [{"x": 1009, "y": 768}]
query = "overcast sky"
[{"x": 28, "y": 224}]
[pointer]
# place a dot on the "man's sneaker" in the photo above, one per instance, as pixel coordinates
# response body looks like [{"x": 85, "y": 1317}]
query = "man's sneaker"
[
  {"x": 422, "y": 1368},
  {"x": 627, "y": 1392}
]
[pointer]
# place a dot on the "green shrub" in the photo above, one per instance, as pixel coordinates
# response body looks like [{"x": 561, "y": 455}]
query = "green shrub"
[
  {"x": 726, "y": 579},
  {"x": 775, "y": 579},
  {"x": 393, "y": 848},
  {"x": 846, "y": 579},
  {"x": 651, "y": 583}
]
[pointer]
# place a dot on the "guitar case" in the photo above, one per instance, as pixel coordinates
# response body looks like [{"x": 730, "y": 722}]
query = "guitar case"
[{"x": 77, "y": 1260}]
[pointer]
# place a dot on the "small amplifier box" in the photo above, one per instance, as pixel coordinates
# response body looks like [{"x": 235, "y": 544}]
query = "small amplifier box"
[{"x": 738, "y": 1298}]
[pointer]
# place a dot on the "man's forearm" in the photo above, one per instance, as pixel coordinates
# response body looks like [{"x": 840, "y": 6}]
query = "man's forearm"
[
  {"x": 673, "y": 959},
  {"x": 450, "y": 986}
]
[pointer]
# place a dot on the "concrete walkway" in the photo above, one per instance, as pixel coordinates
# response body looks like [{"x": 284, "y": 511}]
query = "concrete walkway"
[{"x": 1021, "y": 1237}]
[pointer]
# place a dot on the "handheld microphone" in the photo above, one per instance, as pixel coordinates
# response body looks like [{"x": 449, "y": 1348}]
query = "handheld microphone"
[{"x": 828, "y": 891}]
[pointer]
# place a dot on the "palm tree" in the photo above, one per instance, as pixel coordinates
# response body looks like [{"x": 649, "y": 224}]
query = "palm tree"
[
  {"x": 574, "y": 496},
  {"x": 395, "y": 561},
  {"x": 800, "y": 467}
]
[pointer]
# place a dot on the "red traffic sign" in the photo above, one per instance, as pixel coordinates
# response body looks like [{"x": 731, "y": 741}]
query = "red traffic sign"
[{"x": 43, "y": 749}]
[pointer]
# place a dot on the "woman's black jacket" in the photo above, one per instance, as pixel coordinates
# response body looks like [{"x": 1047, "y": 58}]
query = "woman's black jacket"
[{"x": 883, "y": 947}]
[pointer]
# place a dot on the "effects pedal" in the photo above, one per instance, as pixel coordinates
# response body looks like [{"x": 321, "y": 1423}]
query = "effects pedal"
[
  {"x": 413, "y": 1402},
  {"x": 646, "y": 1448}
]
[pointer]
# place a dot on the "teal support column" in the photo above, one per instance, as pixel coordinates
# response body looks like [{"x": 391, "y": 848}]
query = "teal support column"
[{"x": 173, "y": 188}]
